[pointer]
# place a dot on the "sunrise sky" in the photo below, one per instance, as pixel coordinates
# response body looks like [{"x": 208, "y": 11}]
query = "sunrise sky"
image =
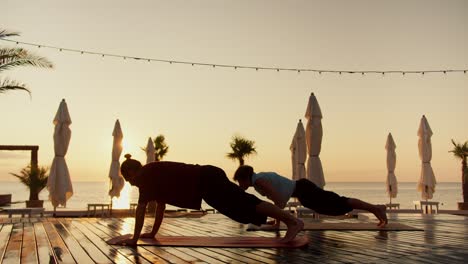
[{"x": 199, "y": 109}]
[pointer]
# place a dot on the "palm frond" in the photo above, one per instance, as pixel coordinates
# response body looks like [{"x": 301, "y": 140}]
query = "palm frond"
[
  {"x": 23, "y": 179},
  {"x": 10, "y": 58},
  {"x": 34, "y": 178},
  {"x": 10, "y": 85},
  {"x": 5, "y": 34},
  {"x": 11, "y": 52},
  {"x": 460, "y": 150},
  {"x": 160, "y": 147},
  {"x": 241, "y": 147}
]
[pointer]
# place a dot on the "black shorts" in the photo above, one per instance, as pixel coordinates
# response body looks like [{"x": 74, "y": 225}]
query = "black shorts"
[
  {"x": 321, "y": 201},
  {"x": 228, "y": 198}
]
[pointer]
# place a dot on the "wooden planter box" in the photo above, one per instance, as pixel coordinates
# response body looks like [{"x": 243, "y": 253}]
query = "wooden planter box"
[
  {"x": 35, "y": 204},
  {"x": 5, "y": 199},
  {"x": 462, "y": 206}
]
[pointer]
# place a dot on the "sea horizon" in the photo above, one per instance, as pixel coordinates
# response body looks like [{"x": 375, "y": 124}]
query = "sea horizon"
[{"x": 447, "y": 193}]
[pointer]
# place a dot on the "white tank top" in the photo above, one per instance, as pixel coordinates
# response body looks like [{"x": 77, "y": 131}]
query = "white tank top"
[{"x": 284, "y": 186}]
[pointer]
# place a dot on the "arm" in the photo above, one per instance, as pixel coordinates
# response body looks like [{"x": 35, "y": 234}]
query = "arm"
[
  {"x": 139, "y": 219},
  {"x": 270, "y": 192},
  {"x": 161, "y": 207}
]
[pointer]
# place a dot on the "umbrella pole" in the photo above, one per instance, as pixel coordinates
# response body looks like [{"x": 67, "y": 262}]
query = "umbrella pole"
[
  {"x": 110, "y": 187},
  {"x": 54, "y": 214},
  {"x": 427, "y": 209},
  {"x": 390, "y": 195}
]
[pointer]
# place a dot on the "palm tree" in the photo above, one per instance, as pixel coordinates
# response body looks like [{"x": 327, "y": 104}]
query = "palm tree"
[
  {"x": 241, "y": 148},
  {"x": 35, "y": 178},
  {"x": 14, "y": 57},
  {"x": 460, "y": 151},
  {"x": 160, "y": 148}
]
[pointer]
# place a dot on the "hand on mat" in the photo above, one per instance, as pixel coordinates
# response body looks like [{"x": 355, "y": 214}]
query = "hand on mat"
[
  {"x": 147, "y": 235},
  {"x": 130, "y": 242}
]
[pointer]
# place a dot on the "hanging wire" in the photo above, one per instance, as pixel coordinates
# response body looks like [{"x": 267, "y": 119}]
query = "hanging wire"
[{"x": 235, "y": 67}]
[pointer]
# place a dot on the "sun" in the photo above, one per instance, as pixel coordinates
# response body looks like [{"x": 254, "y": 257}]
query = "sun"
[{"x": 123, "y": 202}]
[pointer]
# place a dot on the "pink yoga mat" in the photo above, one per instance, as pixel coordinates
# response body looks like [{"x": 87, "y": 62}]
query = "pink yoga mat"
[
  {"x": 343, "y": 226},
  {"x": 226, "y": 242}
]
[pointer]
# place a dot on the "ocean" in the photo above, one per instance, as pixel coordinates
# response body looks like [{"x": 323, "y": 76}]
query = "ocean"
[{"x": 447, "y": 193}]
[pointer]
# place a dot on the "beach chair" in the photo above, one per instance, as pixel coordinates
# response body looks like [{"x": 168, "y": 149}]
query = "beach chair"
[
  {"x": 24, "y": 211},
  {"x": 102, "y": 208},
  {"x": 426, "y": 206}
]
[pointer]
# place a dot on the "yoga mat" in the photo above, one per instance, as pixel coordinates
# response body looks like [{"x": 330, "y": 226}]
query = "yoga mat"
[
  {"x": 345, "y": 226},
  {"x": 184, "y": 214},
  {"x": 224, "y": 242}
]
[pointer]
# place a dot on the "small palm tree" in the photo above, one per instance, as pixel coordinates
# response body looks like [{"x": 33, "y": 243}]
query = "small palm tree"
[
  {"x": 460, "y": 151},
  {"x": 241, "y": 148},
  {"x": 160, "y": 148},
  {"x": 14, "y": 57},
  {"x": 35, "y": 178}
]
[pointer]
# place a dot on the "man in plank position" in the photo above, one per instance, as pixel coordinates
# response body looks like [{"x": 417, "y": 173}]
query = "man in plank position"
[
  {"x": 280, "y": 189},
  {"x": 185, "y": 185}
]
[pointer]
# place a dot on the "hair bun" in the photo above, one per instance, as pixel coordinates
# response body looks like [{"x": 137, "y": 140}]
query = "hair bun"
[{"x": 128, "y": 156}]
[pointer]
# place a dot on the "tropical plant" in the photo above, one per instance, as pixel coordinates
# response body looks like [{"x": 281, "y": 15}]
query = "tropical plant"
[
  {"x": 35, "y": 178},
  {"x": 460, "y": 151},
  {"x": 160, "y": 147},
  {"x": 241, "y": 148},
  {"x": 15, "y": 57}
]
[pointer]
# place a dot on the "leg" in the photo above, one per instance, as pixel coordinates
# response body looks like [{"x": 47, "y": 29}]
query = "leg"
[
  {"x": 294, "y": 225},
  {"x": 378, "y": 210},
  {"x": 330, "y": 203},
  {"x": 229, "y": 199}
]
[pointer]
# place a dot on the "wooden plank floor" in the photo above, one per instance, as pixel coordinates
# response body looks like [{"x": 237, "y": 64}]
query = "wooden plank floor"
[{"x": 82, "y": 240}]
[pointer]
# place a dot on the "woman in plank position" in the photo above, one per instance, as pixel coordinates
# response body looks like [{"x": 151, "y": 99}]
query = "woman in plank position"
[
  {"x": 280, "y": 189},
  {"x": 185, "y": 185}
]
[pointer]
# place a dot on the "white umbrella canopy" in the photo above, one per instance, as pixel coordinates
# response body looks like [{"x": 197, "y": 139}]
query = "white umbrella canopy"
[
  {"x": 427, "y": 181},
  {"x": 314, "y": 133},
  {"x": 59, "y": 182},
  {"x": 298, "y": 152},
  {"x": 150, "y": 151},
  {"x": 392, "y": 184},
  {"x": 117, "y": 181}
]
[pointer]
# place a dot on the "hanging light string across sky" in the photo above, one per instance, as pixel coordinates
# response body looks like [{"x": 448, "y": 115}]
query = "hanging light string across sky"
[{"x": 214, "y": 65}]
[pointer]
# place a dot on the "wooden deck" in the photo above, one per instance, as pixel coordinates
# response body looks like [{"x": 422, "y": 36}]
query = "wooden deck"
[{"x": 82, "y": 240}]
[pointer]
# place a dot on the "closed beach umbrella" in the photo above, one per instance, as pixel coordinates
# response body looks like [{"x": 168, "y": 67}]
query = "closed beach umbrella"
[
  {"x": 427, "y": 181},
  {"x": 314, "y": 135},
  {"x": 59, "y": 182},
  {"x": 117, "y": 181},
  {"x": 150, "y": 151},
  {"x": 392, "y": 184},
  {"x": 298, "y": 152}
]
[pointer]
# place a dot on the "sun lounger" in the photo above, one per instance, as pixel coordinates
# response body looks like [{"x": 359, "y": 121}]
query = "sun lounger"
[
  {"x": 24, "y": 211},
  {"x": 425, "y": 205},
  {"x": 392, "y": 206},
  {"x": 102, "y": 208}
]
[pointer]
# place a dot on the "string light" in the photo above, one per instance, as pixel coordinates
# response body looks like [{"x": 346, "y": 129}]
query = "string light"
[{"x": 235, "y": 67}]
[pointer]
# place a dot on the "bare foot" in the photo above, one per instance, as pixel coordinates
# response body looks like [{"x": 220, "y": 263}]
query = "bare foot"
[
  {"x": 381, "y": 213},
  {"x": 293, "y": 229}
]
